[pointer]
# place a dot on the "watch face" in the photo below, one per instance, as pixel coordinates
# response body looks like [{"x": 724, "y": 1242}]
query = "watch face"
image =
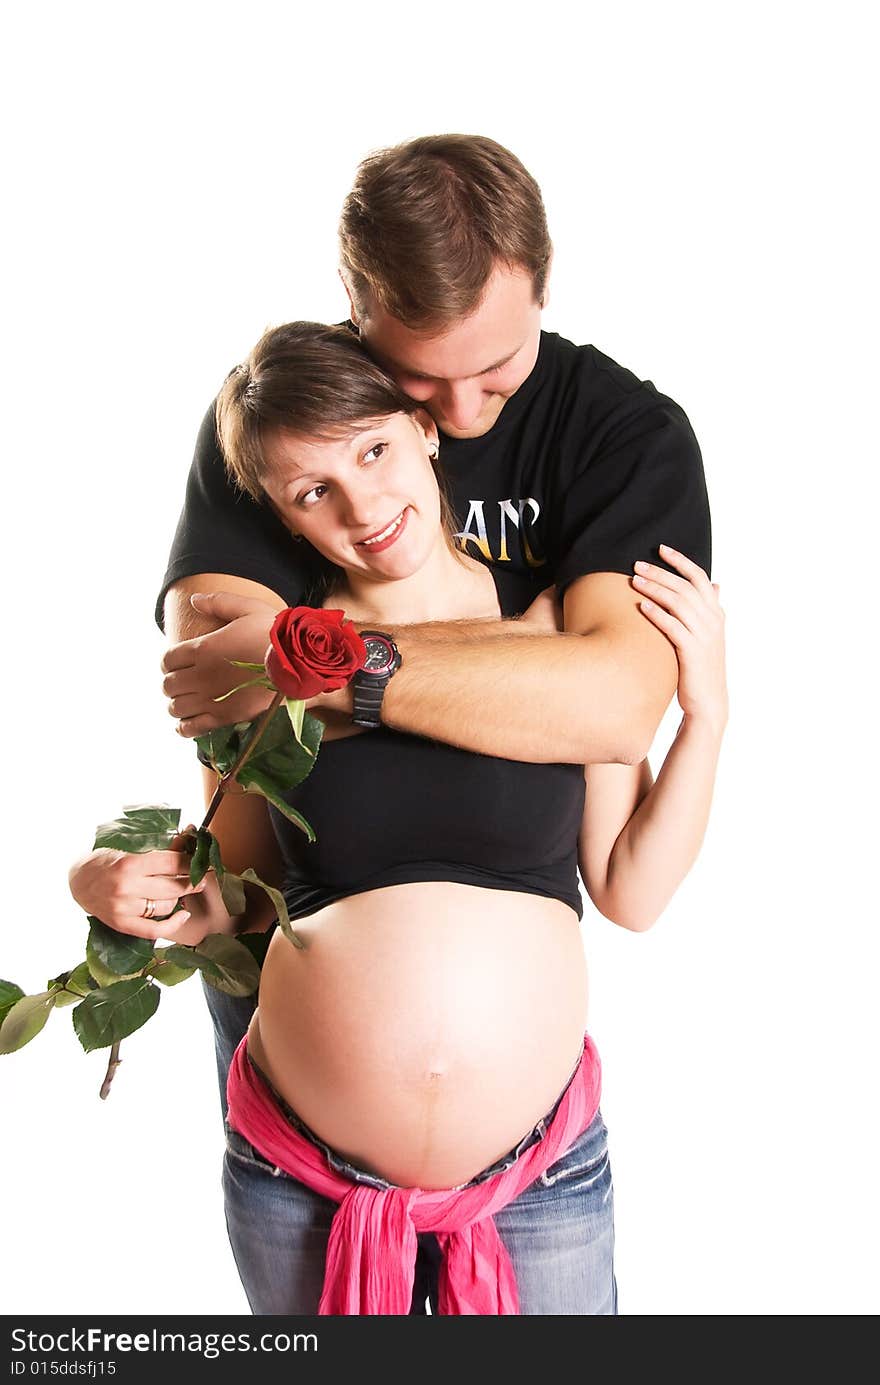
[{"x": 379, "y": 655}]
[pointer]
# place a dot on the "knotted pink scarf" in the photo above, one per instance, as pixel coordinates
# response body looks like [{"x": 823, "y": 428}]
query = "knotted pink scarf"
[{"x": 371, "y": 1254}]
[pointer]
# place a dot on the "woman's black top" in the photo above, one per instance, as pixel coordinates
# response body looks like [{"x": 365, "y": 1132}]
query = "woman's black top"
[{"x": 389, "y": 808}]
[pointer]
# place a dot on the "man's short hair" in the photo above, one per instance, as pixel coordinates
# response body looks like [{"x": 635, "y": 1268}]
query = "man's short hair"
[{"x": 427, "y": 222}]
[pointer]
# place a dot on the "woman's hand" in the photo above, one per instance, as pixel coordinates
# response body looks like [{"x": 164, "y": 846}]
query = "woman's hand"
[
  {"x": 117, "y": 887},
  {"x": 687, "y": 610}
]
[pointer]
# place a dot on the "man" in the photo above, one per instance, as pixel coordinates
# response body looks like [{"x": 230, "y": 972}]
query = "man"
[{"x": 560, "y": 463}]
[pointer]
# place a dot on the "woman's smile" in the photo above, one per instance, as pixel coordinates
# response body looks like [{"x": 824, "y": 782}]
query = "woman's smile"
[{"x": 384, "y": 538}]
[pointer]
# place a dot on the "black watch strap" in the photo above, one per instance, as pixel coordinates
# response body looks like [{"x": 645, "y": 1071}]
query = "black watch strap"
[
  {"x": 368, "y": 693},
  {"x": 369, "y": 684}
]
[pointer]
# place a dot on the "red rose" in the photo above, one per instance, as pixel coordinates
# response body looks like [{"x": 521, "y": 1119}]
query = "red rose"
[{"x": 312, "y": 651}]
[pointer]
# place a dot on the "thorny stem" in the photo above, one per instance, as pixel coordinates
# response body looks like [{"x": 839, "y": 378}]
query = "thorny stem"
[
  {"x": 113, "y": 1064},
  {"x": 243, "y": 757},
  {"x": 115, "y": 1059},
  {"x": 226, "y": 779}
]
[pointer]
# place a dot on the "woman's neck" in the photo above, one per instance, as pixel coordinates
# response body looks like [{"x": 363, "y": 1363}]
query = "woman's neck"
[{"x": 448, "y": 586}]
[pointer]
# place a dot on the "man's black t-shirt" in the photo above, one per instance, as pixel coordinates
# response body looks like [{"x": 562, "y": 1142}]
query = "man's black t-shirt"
[{"x": 586, "y": 469}]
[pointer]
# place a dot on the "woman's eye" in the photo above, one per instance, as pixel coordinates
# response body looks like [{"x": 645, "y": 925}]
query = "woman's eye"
[
  {"x": 311, "y": 496},
  {"x": 375, "y": 452}
]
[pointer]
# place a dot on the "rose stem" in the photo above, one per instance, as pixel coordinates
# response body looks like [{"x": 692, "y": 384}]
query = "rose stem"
[
  {"x": 113, "y": 1064},
  {"x": 230, "y": 774},
  {"x": 243, "y": 757}
]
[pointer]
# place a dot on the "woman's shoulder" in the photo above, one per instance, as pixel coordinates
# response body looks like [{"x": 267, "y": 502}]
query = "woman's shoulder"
[{"x": 516, "y": 590}]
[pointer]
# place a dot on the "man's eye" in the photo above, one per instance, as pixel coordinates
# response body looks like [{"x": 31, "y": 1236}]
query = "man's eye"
[
  {"x": 311, "y": 496},
  {"x": 376, "y": 452}
]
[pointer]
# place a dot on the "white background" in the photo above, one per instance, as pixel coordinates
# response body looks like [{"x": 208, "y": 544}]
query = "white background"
[{"x": 172, "y": 182}]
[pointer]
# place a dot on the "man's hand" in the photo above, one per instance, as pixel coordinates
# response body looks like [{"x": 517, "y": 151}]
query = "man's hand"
[{"x": 200, "y": 670}]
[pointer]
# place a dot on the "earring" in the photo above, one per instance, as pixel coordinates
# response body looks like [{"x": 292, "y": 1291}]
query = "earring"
[
  {"x": 434, "y": 454},
  {"x": 297, "y": 538}
]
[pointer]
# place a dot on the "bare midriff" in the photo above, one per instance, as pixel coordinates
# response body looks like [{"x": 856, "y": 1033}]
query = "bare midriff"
[{"x": 426, "y": 1027}]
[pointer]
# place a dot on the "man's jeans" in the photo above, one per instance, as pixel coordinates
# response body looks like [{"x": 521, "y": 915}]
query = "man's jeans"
[{"x": 559, "y": 1232}]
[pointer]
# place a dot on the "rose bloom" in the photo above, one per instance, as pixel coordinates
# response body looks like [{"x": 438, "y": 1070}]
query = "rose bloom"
[{"x": 312, "y": 651}]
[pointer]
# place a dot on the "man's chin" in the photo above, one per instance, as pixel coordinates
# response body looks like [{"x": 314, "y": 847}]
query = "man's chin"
[{"x": 487, "y": 420}]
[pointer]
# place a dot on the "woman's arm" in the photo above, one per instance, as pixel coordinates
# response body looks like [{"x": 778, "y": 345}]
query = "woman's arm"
[
  {"x": 639, "y": 839},
  {"x": 244, "y": 831}
]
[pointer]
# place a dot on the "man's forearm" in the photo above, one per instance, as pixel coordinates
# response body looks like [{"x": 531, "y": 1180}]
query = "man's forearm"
[
  {"x": 593, "y": 693},
  {"x": 468, "y": 632},
  {"x": 537, "y": 697},
  {"x": 511, "y": 688}
]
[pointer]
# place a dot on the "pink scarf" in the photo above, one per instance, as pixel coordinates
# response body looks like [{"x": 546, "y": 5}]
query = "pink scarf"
[{"x": 371, "y": 1254}]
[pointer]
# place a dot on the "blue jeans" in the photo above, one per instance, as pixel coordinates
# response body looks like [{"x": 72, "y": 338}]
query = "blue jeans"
[
  {"x": 559, "y": 1232},
  {"x": 230, "y": 1016}
]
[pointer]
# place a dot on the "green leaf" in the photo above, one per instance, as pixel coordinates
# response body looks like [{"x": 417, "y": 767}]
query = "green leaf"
[
  {"x": 64, "y": 998},
  {"x": 278, "y": 753},
  {"x": 215, "y": 861},
  {"x": 9, "y": 994},
  {"x": 257, "y": 945},
  {"x": 223, "y": 961},
  {"x": 221, "y": 748},
  {"x": 78, "y": 976},
  {"x": 188, "y": 959},
  {"x": 296, "y": 713},
  {"x": 250, "y": 683},
  {"x": 242, "y": 663},
  {"x": 232, "y": 893},
  {"x": 258, "y": 783},
  {"x": 116, "y": 954},
  {"x": 24, "y": 1020},
  {"x": 198, "y": 866},
  {"x": 168, "y": 972},
  {"x": 81, "y": 979},
  {"x": 281, "y": 756},
  {"x": 114, "y": 1012},
  {"x": 278, "y": 900},
  {"x": 101, "y": 975},
  {"x": 145, "y": 828},
  {"x": 74, "y": 985}
]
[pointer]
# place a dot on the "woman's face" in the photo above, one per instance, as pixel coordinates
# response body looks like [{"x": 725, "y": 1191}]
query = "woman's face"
[{"x": 368, "y": 500}]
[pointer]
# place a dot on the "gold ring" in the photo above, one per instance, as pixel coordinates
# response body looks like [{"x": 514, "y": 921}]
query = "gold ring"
[{"x": 149, "y": 909}]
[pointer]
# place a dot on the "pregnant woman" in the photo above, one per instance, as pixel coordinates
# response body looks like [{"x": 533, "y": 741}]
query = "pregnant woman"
[{"x": 427, "y": 1046}]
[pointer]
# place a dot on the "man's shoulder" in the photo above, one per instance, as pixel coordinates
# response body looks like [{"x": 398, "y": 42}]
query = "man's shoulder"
[
  {"x": 596, "y": 406},
  {"x": 587, "y": 369}
]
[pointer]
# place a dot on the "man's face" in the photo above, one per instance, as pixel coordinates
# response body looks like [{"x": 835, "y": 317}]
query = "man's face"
[{"x": 465, "y": 376}]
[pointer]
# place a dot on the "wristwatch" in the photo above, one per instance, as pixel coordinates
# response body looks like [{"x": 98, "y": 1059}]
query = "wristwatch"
[{"x": 372, "y": 678}]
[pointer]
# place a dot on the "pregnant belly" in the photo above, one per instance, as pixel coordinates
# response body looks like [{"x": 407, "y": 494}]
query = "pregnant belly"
[{"x": 426, "y": 1027}]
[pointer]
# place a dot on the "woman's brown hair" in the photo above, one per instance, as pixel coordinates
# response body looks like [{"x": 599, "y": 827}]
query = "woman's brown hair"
[
  {"x": 306, "y": 378},
  {"x": 312, "y": 380}
]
